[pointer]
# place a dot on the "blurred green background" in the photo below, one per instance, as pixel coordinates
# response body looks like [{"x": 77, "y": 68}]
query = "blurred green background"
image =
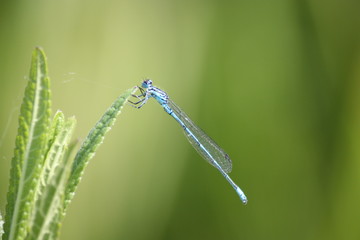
[{"x": 275, "y": 83}]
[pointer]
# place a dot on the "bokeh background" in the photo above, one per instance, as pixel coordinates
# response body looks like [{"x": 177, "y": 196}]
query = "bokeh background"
[{"x": 275, "y": 83}]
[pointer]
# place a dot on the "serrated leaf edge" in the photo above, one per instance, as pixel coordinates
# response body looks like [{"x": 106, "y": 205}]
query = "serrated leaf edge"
[
  {"x": 18, "y": 219},
  {"x": 92, "y": 142}
]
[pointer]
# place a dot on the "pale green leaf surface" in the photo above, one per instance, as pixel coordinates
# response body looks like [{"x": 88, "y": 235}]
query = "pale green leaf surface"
[
  {"x": 1, "y": 225},
  {"x": 55, "y": 148},
  {"x": 29, "y": 149},
  {"x": 92, "y": 142},
  {"x": 57, "y": 220},
  {"x": 51, "y": 199},
  {"x": 70, "y": 149}
]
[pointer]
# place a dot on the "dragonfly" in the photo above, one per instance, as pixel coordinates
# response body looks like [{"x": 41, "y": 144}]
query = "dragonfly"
[{"x": 203, "y": 144}]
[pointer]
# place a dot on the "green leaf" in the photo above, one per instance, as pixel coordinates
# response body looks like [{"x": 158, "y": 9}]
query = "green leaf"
[
  {"x": 43, "y": 177},
  {"x": 29, "y": 151},
  {"x": 70, "y": 150},
  {"x": 1, "y": 225},
  {"x": 56, "y": 221},
  {"x": 51, "y": 200},
  {"x": 55, "y": 146},
  {"x": 92, "y": 142}
]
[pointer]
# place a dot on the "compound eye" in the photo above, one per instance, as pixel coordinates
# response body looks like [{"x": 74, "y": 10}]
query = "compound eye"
[{"x": 146, "y": 83}]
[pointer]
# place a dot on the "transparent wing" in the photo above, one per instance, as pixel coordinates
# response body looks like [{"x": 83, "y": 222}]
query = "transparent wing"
[{"x": 204, "y": 145}]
